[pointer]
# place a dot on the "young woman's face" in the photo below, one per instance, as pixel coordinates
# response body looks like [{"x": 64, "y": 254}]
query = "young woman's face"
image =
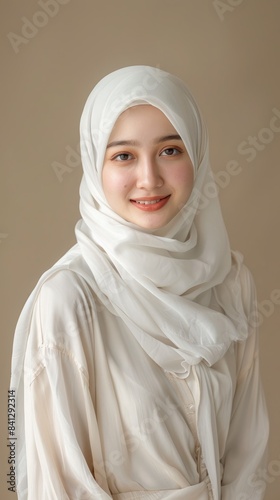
[{"x": 147, "y": 172}]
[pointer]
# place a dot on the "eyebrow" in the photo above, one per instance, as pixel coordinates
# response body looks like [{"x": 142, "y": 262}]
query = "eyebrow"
[{"x": 164, "y": 138}]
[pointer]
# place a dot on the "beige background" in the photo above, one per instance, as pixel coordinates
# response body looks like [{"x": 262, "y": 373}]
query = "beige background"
[{"x": 230, "y": 58}]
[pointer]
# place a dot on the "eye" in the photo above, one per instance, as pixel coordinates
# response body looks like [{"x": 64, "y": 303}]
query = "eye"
[
  {"x": 122, "y": 157},
  {"x": 170, "y": 152}
]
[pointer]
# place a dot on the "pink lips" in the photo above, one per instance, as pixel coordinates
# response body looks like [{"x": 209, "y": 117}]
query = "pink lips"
[{"x": 150, "y": 204}]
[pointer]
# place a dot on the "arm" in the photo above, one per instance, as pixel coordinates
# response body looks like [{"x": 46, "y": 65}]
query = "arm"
[
  {"x": 61, "y": 432},
  {"x": 245, "y": 456},
  {"x": 63, "y": 449}
]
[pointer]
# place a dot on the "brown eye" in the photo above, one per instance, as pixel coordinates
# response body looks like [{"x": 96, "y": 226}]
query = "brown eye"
[
  {"x": 170, "y": 152},
  {"x": 122, "y": 157}
]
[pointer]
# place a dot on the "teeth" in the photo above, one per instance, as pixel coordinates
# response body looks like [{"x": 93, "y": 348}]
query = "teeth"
[{"x": 148, "y": 202}]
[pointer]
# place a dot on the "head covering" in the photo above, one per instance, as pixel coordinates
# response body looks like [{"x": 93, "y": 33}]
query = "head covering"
[
  {"x": 161, "y": 283},
  {"x": 175, "y": 288}
]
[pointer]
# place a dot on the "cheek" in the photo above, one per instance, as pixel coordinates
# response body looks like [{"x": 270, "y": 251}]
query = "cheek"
[
  {"x": 115, "y": 182},
  {"x": 184, "y": 177}
]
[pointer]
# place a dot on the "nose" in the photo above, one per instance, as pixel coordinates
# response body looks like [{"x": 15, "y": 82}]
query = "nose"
[{"x": 149, "y": 175}]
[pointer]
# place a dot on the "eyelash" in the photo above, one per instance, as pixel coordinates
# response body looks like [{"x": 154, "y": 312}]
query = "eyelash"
[
  {"x": 174, "y": 149},
  {"x": 122, "y": 154},
  {"x": 178, "y": 151}
]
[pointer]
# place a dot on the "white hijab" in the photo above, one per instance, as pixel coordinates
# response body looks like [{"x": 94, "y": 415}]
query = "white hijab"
[
  {"x": 176, "y": 288},
  {"x": 160, "y": 283}
]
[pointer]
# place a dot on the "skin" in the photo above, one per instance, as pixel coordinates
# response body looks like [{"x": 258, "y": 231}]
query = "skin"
[{"x": 146, "y": 161}]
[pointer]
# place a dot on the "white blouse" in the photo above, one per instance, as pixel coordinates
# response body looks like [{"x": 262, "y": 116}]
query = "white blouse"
[{"x": 102, "y": 420}]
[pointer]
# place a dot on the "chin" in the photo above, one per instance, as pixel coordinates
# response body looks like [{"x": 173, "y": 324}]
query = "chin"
[{"x": 151, "y": 225}]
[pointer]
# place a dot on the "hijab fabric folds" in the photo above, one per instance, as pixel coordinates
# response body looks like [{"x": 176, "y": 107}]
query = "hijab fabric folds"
[
  {"x": 177, "y": 288},
  {"x": 162, "y": 283}
]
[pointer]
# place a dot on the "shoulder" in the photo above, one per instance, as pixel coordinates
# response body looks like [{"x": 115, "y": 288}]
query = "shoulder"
[
  {"x": 65, "y": 292},
  {"x": 64, "y": 308},
  {"x": 62, "y": 324},
  {"x": 63, "y": 285}
]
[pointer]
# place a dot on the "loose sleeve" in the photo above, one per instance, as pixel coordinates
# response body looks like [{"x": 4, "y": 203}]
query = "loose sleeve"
[
  {"x": 246, "y": 450},
  {"x": 61, "y": 432}
]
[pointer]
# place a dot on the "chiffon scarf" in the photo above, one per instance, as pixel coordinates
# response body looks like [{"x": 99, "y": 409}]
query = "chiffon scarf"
[
  {"x": 161, "y": 283},
  {"x": 177, "y": 288}
]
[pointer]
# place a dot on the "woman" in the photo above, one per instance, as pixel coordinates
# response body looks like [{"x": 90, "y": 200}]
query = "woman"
[{"x": 135, "y": 360}]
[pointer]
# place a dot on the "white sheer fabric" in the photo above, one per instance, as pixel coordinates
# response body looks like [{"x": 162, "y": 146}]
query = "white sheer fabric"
[{"x": 124, "y": 316}]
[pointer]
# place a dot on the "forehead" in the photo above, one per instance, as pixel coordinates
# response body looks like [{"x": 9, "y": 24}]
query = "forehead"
[{"x": 139, "y": 118}]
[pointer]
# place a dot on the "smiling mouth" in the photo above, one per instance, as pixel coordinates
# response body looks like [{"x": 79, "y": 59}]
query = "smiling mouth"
[{"x": 151, "y": 204}]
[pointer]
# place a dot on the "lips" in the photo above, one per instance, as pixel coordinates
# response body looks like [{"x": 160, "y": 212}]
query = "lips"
[{"x": 150, "y": 204}]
